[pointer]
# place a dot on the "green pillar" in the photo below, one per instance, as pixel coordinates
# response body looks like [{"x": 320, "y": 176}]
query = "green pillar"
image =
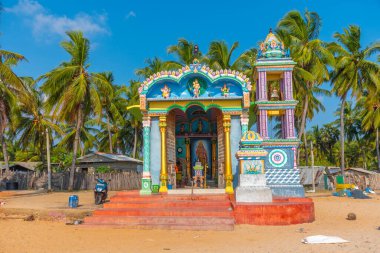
[
  {"x": 146, "y": 180},
  {"x": 244, "y": 122}
]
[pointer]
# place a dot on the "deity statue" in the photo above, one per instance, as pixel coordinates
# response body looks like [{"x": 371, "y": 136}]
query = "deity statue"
[
  {"x": 200, "y": 127},
  {"x": 165, "y": 91},
  {"x": 201, "y": 153},
  {"x": 225, "y": 90},
  {"x": 196, "y": 88}
]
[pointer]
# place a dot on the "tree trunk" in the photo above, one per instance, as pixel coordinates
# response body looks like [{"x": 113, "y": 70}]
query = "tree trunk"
[
  {"x": 48, "y": 159},
  {"x": 303, "y": 123},
  {"x": 5, "y": 152},
  {"x": 109, "y": 133},
  {"x": 75, "y": 148},
  {"x": 135, "y": 143},
  {"x": 306, "y": 154},
  {"x": 304, "y": 114},
  {"x": 342, "y": 134},
  {"x": 377, "y": 149}
]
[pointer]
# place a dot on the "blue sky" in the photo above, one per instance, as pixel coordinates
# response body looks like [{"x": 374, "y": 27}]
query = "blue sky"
[{"x": 125, "y": 33}]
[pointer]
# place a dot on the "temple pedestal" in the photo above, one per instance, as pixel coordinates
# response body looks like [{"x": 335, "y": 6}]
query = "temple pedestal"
[{"x": 253, "y": 188}]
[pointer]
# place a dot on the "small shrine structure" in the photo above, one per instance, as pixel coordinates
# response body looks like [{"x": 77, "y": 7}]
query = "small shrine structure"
[{"x": 196, "y": 116}]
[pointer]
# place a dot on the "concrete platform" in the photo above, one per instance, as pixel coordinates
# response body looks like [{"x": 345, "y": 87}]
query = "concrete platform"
[
  {"x": 197, "y": 191},
  {"x": 205, "y": 210}
]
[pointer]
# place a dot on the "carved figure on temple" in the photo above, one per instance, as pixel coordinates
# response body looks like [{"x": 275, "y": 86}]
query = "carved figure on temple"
[
  {"x": 225, "y": 90},
  {"x": 201, "y": 153},
  {"x": 165, "y": 91},
  {"x": 200, "y": 127},
  {"x": 196, "y": 88}
]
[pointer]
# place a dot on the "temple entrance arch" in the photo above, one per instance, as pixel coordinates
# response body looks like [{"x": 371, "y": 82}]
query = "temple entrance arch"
[
  {"x": 213, "y": 104},
  {"x": 195, "y": 138}
]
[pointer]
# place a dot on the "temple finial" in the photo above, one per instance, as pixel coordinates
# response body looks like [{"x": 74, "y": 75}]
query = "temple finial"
[
  {"x": 195, "y": 54},
  {"x": 270, "y": 30}
]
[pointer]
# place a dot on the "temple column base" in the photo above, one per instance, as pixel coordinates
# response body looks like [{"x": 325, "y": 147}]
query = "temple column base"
[
  {"x": 296, "y": 191},
  {"x": 229, "y": 190},
  {"x": 163, "y": 184},
  {"x": 146, "y": 186},
  {"x": 163, "y": 189}
]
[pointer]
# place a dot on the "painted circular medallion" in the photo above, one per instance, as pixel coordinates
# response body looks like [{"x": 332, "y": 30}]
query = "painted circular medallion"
[{"x": 278, "y": 158}]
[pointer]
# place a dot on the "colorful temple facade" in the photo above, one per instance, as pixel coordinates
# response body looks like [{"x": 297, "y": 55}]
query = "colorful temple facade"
[{"x": 194, "y": 119}]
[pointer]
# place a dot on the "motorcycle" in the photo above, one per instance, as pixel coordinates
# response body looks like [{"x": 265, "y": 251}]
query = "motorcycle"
[{"x": 100, "y": 191}]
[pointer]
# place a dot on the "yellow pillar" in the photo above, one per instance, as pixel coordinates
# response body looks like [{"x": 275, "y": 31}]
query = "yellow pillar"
[
  {"x": 227, "y": 156},
  {"x": 164, "y": 169}
]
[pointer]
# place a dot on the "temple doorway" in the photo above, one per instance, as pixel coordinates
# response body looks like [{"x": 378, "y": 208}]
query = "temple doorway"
[{"x": 195, "y": 145}]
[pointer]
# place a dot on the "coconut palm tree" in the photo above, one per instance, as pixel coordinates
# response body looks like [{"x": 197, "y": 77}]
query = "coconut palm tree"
[
  {"x": 220, "y": 57},
  {"x": 353, "y": 71},
  {"x": 73, "y": 91},
  {"x": 370, "y": 116},
  {"x": 33, "y": 121},
  {"x": 186, "y": 52},
  {"x": 113, "y": 104},
  {"x": 300, "y": 35},
  {"x": 11, "y": 90},
  {"x": 155, "y": 65},
  {"x": 313, "y": 106},
  {"x": 134, "y": 115}
]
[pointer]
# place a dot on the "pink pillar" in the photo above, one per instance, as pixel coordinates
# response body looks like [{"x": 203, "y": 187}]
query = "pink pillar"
[
  {"x": 263, "y": 130},
  {"x": 288, "y": 86},
  {"x": 289, "y": 124},
  {"x": 262, "y": 86}
]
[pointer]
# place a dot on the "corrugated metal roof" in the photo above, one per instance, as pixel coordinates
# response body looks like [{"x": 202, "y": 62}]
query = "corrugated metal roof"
[{"x": 114, "y": 157}]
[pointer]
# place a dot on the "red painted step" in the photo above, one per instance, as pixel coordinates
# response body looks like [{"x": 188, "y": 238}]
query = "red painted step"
[
  {"x": 210, "y": 212},
  {"x": 162, "y": 211},
  {"x": 166, "y": 204},
  {"x": 168, "y": 197}
]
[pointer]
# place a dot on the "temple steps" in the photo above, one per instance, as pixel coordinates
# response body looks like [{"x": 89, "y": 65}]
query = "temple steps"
[
  {"x": 167, "y": 204},
  {"x": 165, "y": 211}
]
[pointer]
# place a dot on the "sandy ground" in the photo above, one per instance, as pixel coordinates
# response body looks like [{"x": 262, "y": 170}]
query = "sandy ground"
[{"x": 17, "y": 235}]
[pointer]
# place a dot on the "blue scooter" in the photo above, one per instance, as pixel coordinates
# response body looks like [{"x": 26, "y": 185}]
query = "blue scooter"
[{"x": 100, "y": 191}]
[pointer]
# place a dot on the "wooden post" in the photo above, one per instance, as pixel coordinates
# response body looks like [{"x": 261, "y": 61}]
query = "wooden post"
[{"x": 48, "y": 159}]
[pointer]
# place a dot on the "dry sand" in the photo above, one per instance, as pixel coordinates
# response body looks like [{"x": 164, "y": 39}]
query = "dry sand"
[{"x": 17, "y": 235}]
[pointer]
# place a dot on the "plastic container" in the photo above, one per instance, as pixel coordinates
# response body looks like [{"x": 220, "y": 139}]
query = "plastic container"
[
  {"x": 73, "y": 201},
  {"x": 155, "y": 188},
  {"x": 170, "y": 186}
]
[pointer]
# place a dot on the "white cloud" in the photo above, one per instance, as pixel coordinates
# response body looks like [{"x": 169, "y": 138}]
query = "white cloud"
[
  {"x": 46, "y": 25},
  {"x": 130, "y": 14}
]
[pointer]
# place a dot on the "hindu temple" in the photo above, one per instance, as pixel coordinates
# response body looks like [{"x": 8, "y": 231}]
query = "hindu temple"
[
  {"x": 194, "y": 119},
  {"x": 212, "y": 131}
]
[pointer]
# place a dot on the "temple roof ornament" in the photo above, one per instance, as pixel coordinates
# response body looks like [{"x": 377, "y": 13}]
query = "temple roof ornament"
[
  {"x": 272, "y": 47},
  {"x": 203, "y": 70},
  {"x": 251, "y": 146},
  {"x": 251, "y": 138}
]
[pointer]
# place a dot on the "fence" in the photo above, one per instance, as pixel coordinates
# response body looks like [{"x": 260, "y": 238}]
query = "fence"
[{"x": 82, "y": 181}]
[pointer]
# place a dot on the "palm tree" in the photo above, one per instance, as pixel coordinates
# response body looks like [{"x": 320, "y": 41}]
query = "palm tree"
[
  {"x": 73, "y": 91},
  {"x": 135, "y": 116},
  {"x": 353, "y": 70},
  {"x": 220, "y": 57},
  {"x": 33, "y": 121},
  {"x": 300, "y": 35},
  {"x": 11, "y": 86},
  {"x": 184, "y": 50},
  {"x": 370, "y": 116},
  {"x": 155, "y": 65},
  {"x": 87, "y": 136},
  {"x": 113, "y": 104}
]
